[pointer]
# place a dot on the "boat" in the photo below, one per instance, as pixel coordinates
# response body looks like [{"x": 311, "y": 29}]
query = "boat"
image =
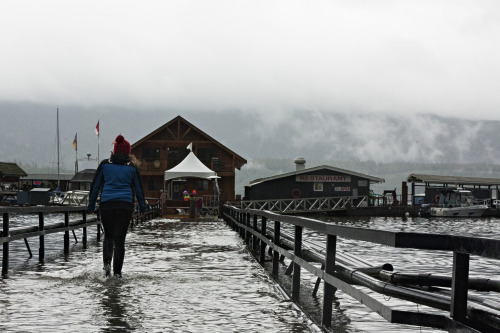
[
  {"x": 78, "y": 190},
  {"x": 457, "y": 203}
]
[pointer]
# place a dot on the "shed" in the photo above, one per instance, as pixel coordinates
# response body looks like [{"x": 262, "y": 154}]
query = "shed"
[
  {"x": 37, "y": 180},
  {"x": 10, "y": 173},
  {"x": 82, "y": 180},
  {"x": 316, "y": 182},
  {"x": 482, "y": 188}
]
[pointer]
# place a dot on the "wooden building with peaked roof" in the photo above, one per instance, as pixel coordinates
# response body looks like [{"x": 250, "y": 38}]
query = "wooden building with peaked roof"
[
  {"x": 317, "y": 182},
  {"x": 166, "y": 147},
  {"x": 11, "y": 173}
]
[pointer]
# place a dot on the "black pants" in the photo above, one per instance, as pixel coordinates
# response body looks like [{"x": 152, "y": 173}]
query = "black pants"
[{"x": 115, "y": 223}]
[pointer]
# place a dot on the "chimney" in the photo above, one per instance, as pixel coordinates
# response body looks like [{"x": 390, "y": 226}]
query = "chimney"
[{"x": 300, "y": 163}]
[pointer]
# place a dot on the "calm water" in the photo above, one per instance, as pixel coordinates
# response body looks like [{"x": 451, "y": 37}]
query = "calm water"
[{"x": 197, "y": 277}]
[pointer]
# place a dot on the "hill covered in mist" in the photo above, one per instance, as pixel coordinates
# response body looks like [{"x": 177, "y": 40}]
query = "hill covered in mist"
[{"x": 389, "y": 146}]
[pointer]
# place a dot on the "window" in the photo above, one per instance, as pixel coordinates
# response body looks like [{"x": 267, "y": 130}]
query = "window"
[
  {"x": 202, "y": 185},
  {"x": 153, "y": 184},
  {"x": 318, "y": 187},
  {"x": 205, "y": 155},
  {"x": 362, "y": 183},
  {"x": 151, "y": 152},
  {"x": 175, "y": 156}
]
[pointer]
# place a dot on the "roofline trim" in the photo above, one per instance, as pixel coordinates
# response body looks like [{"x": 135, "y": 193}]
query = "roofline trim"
[
  {"x": 159, "y": 129},
  {"x": 298, "y": 172}
]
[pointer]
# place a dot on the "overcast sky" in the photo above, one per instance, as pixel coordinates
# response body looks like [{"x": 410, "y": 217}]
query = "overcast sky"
[{"x": 439, "y": 57}]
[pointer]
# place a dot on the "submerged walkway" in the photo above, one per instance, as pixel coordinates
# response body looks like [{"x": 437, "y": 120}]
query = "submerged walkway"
[{"x": 177, "y": 277}]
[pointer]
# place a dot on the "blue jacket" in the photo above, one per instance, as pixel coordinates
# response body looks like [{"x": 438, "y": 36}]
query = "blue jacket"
[{"x": 117, "y": 179}]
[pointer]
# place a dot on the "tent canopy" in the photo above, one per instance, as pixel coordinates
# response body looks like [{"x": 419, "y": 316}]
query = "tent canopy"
[{"x": 190, "y": 167}]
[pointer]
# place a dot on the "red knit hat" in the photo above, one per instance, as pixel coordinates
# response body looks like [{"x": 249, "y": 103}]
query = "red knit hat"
[{"x": 122, "y": 146}]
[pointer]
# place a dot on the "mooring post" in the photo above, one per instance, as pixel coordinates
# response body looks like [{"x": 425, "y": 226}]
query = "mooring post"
[
  {"x": 329, "y": 290},
  {"x": 84, "y": 229},
  {"x": 66, "y": 233},
  {"x": 459, "y": 286},
  {"x": 276, "y": 254},
  {"x": 254, "y": 238},
  {"x": 296, "y": 267},
  {"x": 41, "y": 248},
  {"x": 263, "y": 227},
  {"x": 5, "y": 255}
]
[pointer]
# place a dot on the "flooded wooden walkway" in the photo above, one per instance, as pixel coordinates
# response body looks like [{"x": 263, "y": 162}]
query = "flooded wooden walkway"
[{"x": 198, "y": 275}]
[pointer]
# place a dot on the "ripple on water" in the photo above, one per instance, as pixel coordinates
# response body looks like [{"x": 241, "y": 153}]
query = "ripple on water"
[{"x": 178, "y": 277}]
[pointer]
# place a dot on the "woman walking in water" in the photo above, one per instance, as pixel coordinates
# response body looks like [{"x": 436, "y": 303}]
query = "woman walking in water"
[{"x": 117, "y": 178}]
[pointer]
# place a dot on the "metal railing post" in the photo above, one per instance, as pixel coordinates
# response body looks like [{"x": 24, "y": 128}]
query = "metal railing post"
[
  {"x": 66, "y": 233},
  {"x": 262, "y": 243},
  {"x": 84, "y": 230},
  {"x": 254, "y": 238},
  {"x": 41, "y": 248},
  {"x": 459, "y": 286},
  {"x": 329, "y": 290},
  {"x": 5, "y": 255},
  {"x": 247, "y": 233},
  {"x": 276, "y": 254},
  {"x": 296, "y": 267}
]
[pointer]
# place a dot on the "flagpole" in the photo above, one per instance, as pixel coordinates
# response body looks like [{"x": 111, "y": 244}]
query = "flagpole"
[
  {"x": 58, "y": 149},
  {"x": 76, "y": 152},
  {"x": 98, "y": 141}
]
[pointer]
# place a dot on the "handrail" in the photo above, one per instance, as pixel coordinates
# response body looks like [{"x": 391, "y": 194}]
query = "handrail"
[
  {"x": 465, "y": 316},
  {"x": 304, "y": 204},
  {"x": 7, "y": 234}
]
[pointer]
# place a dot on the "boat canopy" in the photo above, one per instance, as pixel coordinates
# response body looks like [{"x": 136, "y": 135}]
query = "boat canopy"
[{"x": 190, "y": 167}]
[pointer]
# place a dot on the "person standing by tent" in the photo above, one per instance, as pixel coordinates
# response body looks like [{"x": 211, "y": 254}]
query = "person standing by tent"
[{"x": 117, "y": 178}]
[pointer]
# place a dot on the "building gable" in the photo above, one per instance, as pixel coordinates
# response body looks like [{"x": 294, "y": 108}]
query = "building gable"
[
  {"x": 8, "y": 169},
  {"x": 179, "y": 129}
]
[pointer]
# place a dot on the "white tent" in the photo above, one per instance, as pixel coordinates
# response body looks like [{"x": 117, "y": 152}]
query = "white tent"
[{"x": 190, "y": 167}]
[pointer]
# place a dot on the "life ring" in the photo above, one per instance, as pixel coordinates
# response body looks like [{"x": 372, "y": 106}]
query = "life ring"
[
  {"x": 436, "y": 198},
  {"x": 296, "y": 193}
]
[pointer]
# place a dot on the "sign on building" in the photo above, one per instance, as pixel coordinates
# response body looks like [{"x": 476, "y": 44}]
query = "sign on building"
[{"x": 323, "y": 178}]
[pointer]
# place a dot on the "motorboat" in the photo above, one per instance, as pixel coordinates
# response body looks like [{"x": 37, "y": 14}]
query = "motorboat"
[{"x": 457, "y": 203}]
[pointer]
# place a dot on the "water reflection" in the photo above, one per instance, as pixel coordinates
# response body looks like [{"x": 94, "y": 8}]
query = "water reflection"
[
  {"x": 177, "y": 277},
  {"x": 114, "y": 309},
  {"x": 197, "y": 277}
]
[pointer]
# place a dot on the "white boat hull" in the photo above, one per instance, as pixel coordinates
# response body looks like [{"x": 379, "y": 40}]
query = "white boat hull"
[{"x": 470, "y": 211}]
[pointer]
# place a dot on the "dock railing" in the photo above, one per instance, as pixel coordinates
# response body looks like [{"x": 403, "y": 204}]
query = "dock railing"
[
  {"x": 338, "y": 270},
  {"x": 8, "y": 234},
  {"x": 303, "y": 205}
]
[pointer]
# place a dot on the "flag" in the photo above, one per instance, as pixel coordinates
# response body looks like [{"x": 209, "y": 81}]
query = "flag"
[
  {"x": 75, "y": 143},
  {"x": 97, "y": 128}
]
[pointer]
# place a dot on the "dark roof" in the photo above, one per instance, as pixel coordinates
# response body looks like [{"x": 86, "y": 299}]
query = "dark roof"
[
  {"x": 85, "y": 176},
  {"x": 298, "y": 172},
  {"x": 208, "y": 137},
  {"x": 45, "y": 176},
  {"x": 453, "y": 180},
  {"x": 8, "y": 169}
]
